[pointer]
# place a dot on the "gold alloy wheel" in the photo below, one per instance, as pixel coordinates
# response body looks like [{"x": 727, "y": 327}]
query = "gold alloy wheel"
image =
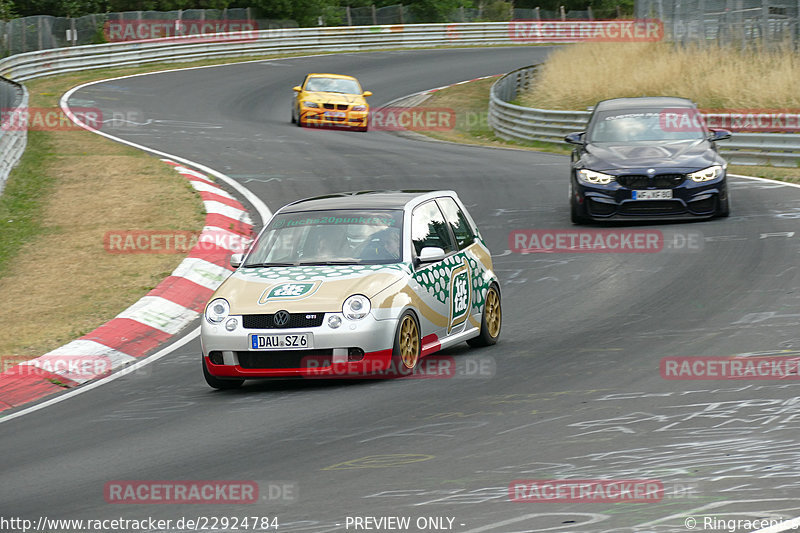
[
  {"x": 409, "y": 342},
  {"x": 492, "y": 313}
]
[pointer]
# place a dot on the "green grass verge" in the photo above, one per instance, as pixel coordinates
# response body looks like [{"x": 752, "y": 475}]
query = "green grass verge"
[
  {"x": 25, "y": 193},
  {"x": 470, "y": 104}
]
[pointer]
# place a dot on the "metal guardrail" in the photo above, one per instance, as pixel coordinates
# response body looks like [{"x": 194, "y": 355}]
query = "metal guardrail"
[
  {"x": 32, "y": 65},
  {"x": 509, "y": 121},
  {"x": 517, "y": 123},
  {"x": 13, "y": 138}
]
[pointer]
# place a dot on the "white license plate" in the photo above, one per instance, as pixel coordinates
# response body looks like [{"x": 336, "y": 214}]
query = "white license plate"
[
  {"x": 660, "y": 194},
  {"x": 281, "y": 342},
  {"x": 335, "y": 114}
]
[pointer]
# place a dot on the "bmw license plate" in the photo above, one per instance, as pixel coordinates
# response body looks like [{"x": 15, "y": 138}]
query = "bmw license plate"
[
  {"x": 281, "y": 342},
  {"x": 335, "y": 114},
  {"x": 660, "y": 194}
]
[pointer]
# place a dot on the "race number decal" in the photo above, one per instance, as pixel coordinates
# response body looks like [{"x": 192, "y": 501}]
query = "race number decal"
[
  {"x": 460, "y": 295},
  {"x": 295, "y": 290}
]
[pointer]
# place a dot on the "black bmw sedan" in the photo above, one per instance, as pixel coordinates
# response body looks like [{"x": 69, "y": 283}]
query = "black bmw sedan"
[{"x": 647, "y": 158}]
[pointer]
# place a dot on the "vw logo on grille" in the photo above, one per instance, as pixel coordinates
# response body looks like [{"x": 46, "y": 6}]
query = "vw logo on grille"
[{"x": 281, "y": 318}]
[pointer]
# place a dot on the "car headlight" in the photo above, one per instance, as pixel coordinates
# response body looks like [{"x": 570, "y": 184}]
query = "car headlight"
[
  {"x": 707, "y": 174},
  {"x": 596, "y": 178},
  {"x": 217, "y": 311},
  {"x": 356, "y": 307},
  {"x": 359, "y": 108},
  {"x": 310, "y": 104}
]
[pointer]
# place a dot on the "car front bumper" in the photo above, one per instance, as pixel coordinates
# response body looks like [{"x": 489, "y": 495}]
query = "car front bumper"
[
  {"x": 356, "y": 348},
  {"x": 614, "y": 202},
  {"x": 323, "y": 117}
]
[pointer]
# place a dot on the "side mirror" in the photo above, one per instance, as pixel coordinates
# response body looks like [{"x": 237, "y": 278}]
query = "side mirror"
[
  {"x": 575, "y": 137},
  {"x": 431, "y": 254},
  {"x": 719, "y": 135},
  {"x": 367, "y": 93},
  {"x": 236, "y": 260},
  {"x": 297, "y": 88}
]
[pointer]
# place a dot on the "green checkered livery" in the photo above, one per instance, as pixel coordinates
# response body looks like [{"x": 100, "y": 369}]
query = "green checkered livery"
[{"x": 432, "y": 278}]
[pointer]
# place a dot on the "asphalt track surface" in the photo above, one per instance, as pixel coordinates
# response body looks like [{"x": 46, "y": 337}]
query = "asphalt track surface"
[{"x": 573, "y": 389}]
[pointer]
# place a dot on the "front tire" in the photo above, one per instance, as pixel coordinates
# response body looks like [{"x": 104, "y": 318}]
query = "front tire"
[
  {"x": 574, "y": 210},
  {"x": 491, "y": 321},
  {"x": 219, "y": 383},
  {"x": 407, "y": 345},
  {"x": 724, "y": 209}
]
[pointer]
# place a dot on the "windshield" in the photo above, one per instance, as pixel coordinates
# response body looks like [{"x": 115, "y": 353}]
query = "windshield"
[
  {"x": 333, "y": 85},
  {"x": 330, "y": 237},
  {"x": 646, "y": 125}
]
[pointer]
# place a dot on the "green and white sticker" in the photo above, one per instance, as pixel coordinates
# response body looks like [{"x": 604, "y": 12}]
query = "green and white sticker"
[
  {"x": 289, "y": 291},
  {"x": 460, "y": 294}
]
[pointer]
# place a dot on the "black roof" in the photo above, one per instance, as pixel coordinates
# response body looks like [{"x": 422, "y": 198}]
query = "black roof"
[
  {"x": 643, "y": 101},
  {"x": 356, "y": 200}
]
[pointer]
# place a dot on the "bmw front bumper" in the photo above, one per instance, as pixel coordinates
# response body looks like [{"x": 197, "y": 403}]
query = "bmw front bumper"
[
  {"x": 689, "y": 200},
  {"x": 345, "y": 119}
]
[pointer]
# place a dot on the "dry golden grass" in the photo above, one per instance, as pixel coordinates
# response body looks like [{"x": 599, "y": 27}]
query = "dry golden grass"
[
  {"x": 578, "y": 76},
  {"x": 470, "y": 102},
  {"x": 63, "y": 284}
]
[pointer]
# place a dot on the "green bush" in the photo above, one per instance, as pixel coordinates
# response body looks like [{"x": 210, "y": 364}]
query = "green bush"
[{"x": 497, "y": 11}]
